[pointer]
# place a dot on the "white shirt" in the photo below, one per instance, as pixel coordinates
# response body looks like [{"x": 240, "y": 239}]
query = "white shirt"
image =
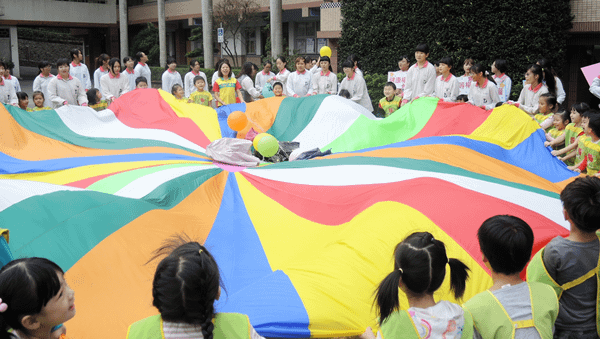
[
  {"x": 7, "y": 93},
  {"x": 446, "y": 89},
  {"x": 41, "y": 84},
  {"x": 298, "y": 84},
  {"x": 487, "y": 95},
  {"x": 262, "y": 79},
  {"x": 283, "y": 77},
  {"x": 188, "y": 81},
  {"x": 69, "y": 90},
  {"x": 98, "y": 73},
  {"x": 561, "y": 95},
  {"x": 324, "y": 83},
  {"x": 248, "y": 86},
  {"x": 420, "y": 81},
  {"x": 114, "y": 87},
  {"x": 595, "y": 87},
  {"x": 131, "y": 77},
  {"x": 504, "y": 84},
  {"x": 358, "y": 91},
  {"x": 169, "y": 79},
  {"x": 14, "y": 82},
  {"x": 82, "y": 73},
  {"x": 401, "y": 79},
  {"x": 529, "y": 99},
  {"x": 464, "y": 84},
  {"x": 142, "y": 70}
]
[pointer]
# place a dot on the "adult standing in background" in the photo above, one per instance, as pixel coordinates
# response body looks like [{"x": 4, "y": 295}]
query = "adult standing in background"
[
  {"x": 249, "y": 91},
  {"x": 170, "y": 76},
  {"x": 559, "y": 90},
  {"x": 79, "y": 70},
  {"x": 114, "y": 84},
  {"x": 188, "y": 80},
  {"x": 142, "y": 69},
  {"x": 65, "y": 89},
  {"x": 101, "y": 69},
  {"x": 356, "y": 86},
  {"x": 42, "y": 80}
]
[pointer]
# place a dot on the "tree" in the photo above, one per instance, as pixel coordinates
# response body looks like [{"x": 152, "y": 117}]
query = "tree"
[
  {"x": 199, "y": 51},
  {"x": 520, "y": 31},
  {"x": 235, "y": 16},
  {"x": 147, "y": 41}
]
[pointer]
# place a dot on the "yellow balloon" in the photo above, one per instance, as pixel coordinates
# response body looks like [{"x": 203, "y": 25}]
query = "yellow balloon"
[
  {"x": 257, "y": 139},
  {"x": 325, "y": 51}
]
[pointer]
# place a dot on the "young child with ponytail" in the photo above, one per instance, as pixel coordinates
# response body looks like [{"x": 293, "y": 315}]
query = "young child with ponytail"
[
  {"x": 419, "y": 269},
  {"x": 35, "y": 300},
  {"x": 185, "y": 287}
]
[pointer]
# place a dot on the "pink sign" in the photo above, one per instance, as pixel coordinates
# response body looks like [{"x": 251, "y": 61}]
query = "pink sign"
[{"x": 590, "y": 72}]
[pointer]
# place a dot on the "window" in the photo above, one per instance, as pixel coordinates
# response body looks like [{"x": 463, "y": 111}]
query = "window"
[
  {"x": 251, "y": 41},
  {"x": 306, "y": 35}
]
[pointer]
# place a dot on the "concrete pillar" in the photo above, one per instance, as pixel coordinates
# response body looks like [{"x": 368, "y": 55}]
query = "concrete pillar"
[
  {"x": 258, "y": 44},
  {"x": 276, "y": 28},
  {"x": 162, "y": 33},
  {"x": 291, "y": 37},
  {"x": 124, "y": 38},
  {"x": 14, "y": 50},
  {"x": 207, "y": 33}
]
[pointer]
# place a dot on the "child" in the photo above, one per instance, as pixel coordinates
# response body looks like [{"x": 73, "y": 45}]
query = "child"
[
  {"x": 101, "y": 70},
  {"x": 572, "y": 132},
  {"x": 464, "y": 82},
  {"x": 189, "y": 79},
  {"x": 344, "y": 94},
  {"x": 283, "y": 74},
  {"x": 446, "y": 85},
  {"x": 391, "y": 102},
  {"x": 41, "y": 81},
  {"x": 511, "y": 308},
  {"x": 178, "y": 92},
  {"x": 39, "y": 101},
  {"x": 546, "y": 108},
  {"x": 278, "y": 89},
  {"x": 560, "y": 121},
  {"x": 503, "y": 81},
  {"x": 570, "y": 265},
  {"x": 264, "y": 76},
  {"x": 113, "y": 84},
  {"x": 8, "y": 95},
  {"x": 356, "y": 86},
  {"x": 533, "y": 89},
  {"x": 403, "y": 66},
  {"x": 420, "y": 80},
  {"x": 419, "y": 270},
  {"x": 23, "y": 101},
  {"x": 95, "y": 100},
  {"x": 462, "y": 98},
  {"x": 11, "y": 79},
  {"x": 65, "y": 89},
  {"x": 78, "y": 69},
  {"x": 35, "y": 299},
  {"x": 184, "y": 290},
  {"x": 226, "y": 88},
  {"x": 483, "y": 92},
  {"x": 129, "y": 72},
  {"x": 170, "y": 76},
  {"x": 141, "y": 82},
  {"x": 325, "y": 81},
  {"x": 200, "y": 96},
  {"x": 587, "y": 155},
  {"x": 298, "y": 83}
]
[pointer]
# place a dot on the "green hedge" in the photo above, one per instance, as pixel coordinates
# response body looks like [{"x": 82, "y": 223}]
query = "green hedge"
[
  {"x": 519, "y": 31},
  {"x": 40, "y": 34}
]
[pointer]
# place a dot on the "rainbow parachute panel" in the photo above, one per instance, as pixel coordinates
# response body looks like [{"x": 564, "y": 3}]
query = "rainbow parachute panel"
[{"x": 301, "y": 245}]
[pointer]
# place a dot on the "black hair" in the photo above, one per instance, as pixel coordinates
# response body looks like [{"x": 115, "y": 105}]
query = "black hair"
[
  {"x": 175, "y": 88},
  {"x": 186, "y": 283},
  {"x": 26, "y": 286},
  {"x": 198, "y": 77},
  {"x": 501, "y": 65},
  {"x": 348, "y": 64},
  {"x": 422, "y": 48},
  {"x": 405, "y": 57},
  {"x": 3, "y": 64},
  {"x": 391, "y": 84},
  {"x": 170, "y": 60},
  {"x": 550, "y": 100},
  {"x": 564, "y": 116},
  {"x": 469, "y": 61},
  {"x": 447, "y": 60},
  {"x": 247, "y": 68},
  {"x": 345, "y": 94},
  {"x": 224, "y": 61},
  {"x": 140, "y": 79},
  {"x": 278, "y": 84},
  {"x": 326, "y": 58},
  {"x": 544, "y": 75},
  {"x": 498, "y": 104},
  {"x": 74, "y": 53},
  {"x": 111, "y": 64},
  {"x": 594, "y": 121},
  {"x": 420, "y": 263},
  {"x": 92, "y": 96},
  {"x": 101, "y": 59},
  {"x": 22, "y": 96},
  {"x": 354, "y": 59},
  {"x": 580, "y": 107},
  {"x": 581, "y": 201},
  {"x": 506, "y": 241},
  {"x": 283, "y": 59},
  {"x": 546, "y": 64},
  {"x": 193, "y": 62},
  {"x": 125, "y": 59},
  {"x": 139, "y": 55},
  {"x": 43, "y": 64},
  {"x": 63, "y": 61},
  {"x": 307, "y": 59},
  {"x": 38, "y": 93},
  {"x": 479, "y": 68},
  {"x": 268, "y": 62},
  {"x": 462, "y": 97}
]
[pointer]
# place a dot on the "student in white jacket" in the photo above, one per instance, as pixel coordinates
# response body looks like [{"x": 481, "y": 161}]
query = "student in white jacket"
[
  {"x": 142, "y": 69},
  {"x": 79, "y": 70},
  {"x": 299, "y": 82},
  {"x": 420, "y": 80},
  {"x": 8, "y": 95},
  {"x": 446, "y": 85},
  {"x": 249, "y": 91},
  {"x": 483, "y": 92},
  {"x": 188, "y": 80},
  {"x": 324, "y": 81},
  {"x": 114, "y": 84},
  {"x": 42, "y": 80},
  {"x": 356, "y": 86},
  {"x": 101, "y": 69},
  {"x": 560, "y": 93},
  {"x": 65, "y": 89},
  {"x": 171, "y": 77},
  {"x": 283, "y": 74},
  {"x": 264, "y": 76},
  {"x": 529, "y": 99}
]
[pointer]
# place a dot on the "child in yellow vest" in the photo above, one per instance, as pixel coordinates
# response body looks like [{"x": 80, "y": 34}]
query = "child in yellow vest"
[
  {"x": 178, "y": 93},
  {"x": 560, "y": 120},
  {"x": 200, "y": 96},
  {"x": 546, "y": 108},
  {"x": 95, "y": 100},
  {"x": 419, "y": 269},
  {"x": 38, "y": 101},
  {"x": 391, "y": 102},
  {"x": 581, "y": 151},
  {"x": 511, "y": 308},
  {"x": 570, "y": 265},
  {"x": 184, "y": 290},
  {"x": 572, "y": 132},
  {"x": 592, "y": 147}
]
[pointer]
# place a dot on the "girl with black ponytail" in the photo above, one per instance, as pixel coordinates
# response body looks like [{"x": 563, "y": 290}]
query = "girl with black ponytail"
[
  {"x": 419, "y": 269},
  {"x": 185, "y": 287}
]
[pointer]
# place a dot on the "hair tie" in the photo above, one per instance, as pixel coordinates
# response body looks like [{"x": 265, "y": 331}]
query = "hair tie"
[
  {"x": 3, "y": 306},
  {"x": 432, "y": 239},
  {"x": 200, "y": 251},
  {"x": 399, "y": 269}
]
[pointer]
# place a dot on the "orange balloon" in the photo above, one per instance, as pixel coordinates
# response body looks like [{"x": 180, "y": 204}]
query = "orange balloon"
[{"x": 237, "y": 121}]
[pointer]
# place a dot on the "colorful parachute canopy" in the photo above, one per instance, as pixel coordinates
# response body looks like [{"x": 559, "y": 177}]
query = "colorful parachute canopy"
[{"x": 301, "y": 245}]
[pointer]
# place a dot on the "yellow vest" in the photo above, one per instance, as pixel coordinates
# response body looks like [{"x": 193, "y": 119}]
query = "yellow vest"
[
  {"x": 400, "y": 325},
  {"x": 227, "y": 326}
]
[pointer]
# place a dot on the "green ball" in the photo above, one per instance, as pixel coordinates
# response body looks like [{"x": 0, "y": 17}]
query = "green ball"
[{"x": 267, "y": 146}]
